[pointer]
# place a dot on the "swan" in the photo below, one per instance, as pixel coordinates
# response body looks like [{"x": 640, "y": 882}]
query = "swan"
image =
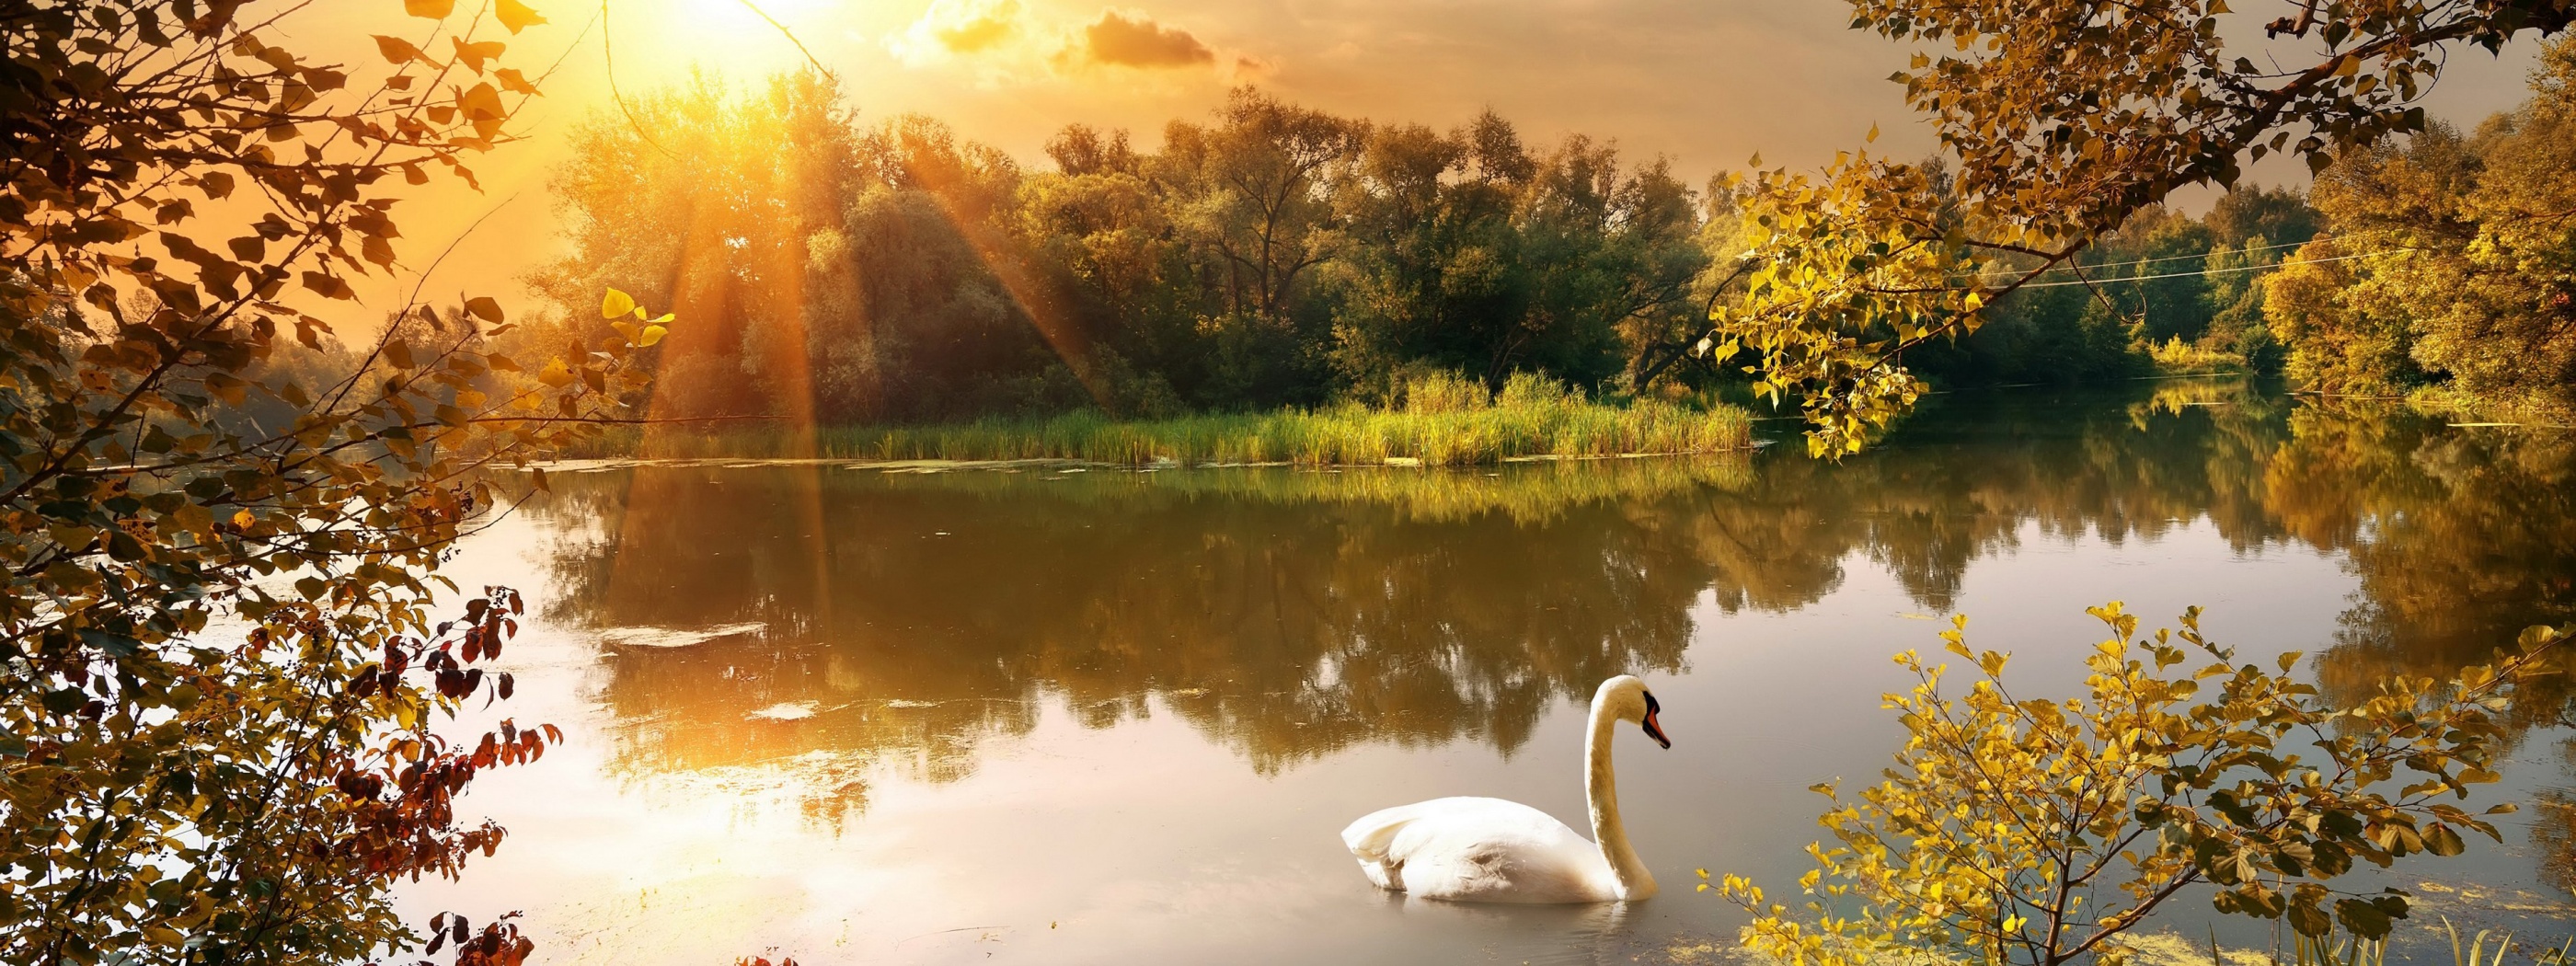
[{"x": 1490, "y": 850}]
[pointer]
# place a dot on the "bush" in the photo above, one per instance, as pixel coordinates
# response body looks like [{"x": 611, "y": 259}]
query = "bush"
[{"x": 2039, "y": 831}]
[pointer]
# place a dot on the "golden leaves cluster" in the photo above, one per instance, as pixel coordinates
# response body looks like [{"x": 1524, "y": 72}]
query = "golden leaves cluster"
[
  {"x": 2039, "y": 830},
  {"x": 2057, "y": 121}
]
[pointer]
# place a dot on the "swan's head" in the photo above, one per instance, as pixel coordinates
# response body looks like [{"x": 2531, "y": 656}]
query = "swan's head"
[{"x": 1628, "y": 698}]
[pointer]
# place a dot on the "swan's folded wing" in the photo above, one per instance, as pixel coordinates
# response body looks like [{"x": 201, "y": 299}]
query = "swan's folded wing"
[
  {"x": 1369, "y": 837},
  {"x": 1373, "y": 836},
  {"x": 1483, "y": 849}
]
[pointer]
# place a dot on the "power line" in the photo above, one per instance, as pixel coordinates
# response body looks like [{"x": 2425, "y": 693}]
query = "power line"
[
  {"x": 2210, "y": 271},
  {"x": 2143, "y": 261}
]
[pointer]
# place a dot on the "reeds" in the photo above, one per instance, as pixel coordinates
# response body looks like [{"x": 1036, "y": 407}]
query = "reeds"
[
  {"x": 1531, "y": 418},
  {"x": 2174, "y": 357}
]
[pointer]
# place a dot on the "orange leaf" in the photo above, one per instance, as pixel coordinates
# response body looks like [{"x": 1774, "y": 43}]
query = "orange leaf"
[
  {"x": 396, "y": 49},
  {"x": 433, "y": 9},
  {"x": 482, "y": 103},
  {"x": 514, "y": 82},
  {"x": 475, "y": 54}
]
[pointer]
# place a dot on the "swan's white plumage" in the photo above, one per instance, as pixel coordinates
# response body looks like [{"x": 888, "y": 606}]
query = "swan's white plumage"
[
  {"x": 1479, "y": 850},
  {"x": 1491, "y": 850}
]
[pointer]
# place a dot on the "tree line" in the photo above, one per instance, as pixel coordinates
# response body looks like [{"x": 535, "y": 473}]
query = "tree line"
[{"x": 1272, "y": 256}]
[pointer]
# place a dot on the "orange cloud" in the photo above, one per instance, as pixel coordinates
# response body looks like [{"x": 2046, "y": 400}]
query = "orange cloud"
[
  {"x": 1140, "y": 42},
  {"x": 958, "y": 27},
  {"x": 978, "y": 33}
]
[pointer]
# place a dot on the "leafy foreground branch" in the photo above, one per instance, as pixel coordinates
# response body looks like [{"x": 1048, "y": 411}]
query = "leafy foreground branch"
[
  {"x": 221, "y": 658},
  {"x": 2038, "y": 831}
]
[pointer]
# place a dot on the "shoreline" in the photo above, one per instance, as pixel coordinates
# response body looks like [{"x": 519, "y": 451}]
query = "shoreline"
[{"x": 601, "y": 464}]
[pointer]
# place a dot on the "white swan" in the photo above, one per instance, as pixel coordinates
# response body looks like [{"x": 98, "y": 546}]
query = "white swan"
[{"x": 1491, "y": 850}]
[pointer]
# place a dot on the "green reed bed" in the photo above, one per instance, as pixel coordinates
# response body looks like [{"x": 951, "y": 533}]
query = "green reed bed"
[
  {"x": 1525, "y": 492},
  {"x": 1341, "y": 436},
  {"x": 1526, "y": 420}
]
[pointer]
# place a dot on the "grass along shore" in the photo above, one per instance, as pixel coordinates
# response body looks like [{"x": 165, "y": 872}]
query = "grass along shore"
[{"x": 1528, "y": 419}]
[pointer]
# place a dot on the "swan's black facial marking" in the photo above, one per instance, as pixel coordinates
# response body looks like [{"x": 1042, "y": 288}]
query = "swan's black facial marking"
[{"x": 1653, "y": 730}]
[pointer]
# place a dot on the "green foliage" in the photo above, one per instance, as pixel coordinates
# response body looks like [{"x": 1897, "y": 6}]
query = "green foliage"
[
  {"x": 2038, "y": 831},
  {"x": 2329, "y": 951},
  {"x": 1446, "y": 420},
  {"x": 1275, "y": 256},
  {"x": 220, "y": 653},
  {"x": 2116, "y": 309},
  {"x": 2463, "y": 269}
]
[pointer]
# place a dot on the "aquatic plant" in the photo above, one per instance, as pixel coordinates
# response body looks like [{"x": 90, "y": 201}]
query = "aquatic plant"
[{"x": 1535, "y": 422}]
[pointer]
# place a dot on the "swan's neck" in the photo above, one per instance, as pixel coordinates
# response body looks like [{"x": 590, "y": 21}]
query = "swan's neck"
[{"x": 1601, "y": 787}]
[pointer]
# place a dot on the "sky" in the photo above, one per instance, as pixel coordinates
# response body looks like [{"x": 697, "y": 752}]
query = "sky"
[{"x": 1706, "y": 83}]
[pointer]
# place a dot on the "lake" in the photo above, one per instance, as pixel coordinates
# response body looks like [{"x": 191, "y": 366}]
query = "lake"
[{"x": 923, "y": 714}]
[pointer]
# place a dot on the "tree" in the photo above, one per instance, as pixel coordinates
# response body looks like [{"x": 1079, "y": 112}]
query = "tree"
[
  {"x": 219, "y": 654},
  {"x": 1102, "y": 233},
  {"x": 2463, "y": 269},
  {"x": 2064, "y": 119},
  {"x": 706, "y": 199},
  {"x": 2038, "y": 831},
  {"x": 1607, "y": 250},
  {"x": 1251, "y": 192},
  {"x": 1464, "y": 252},
  {"x": 1430, "y": 250}
]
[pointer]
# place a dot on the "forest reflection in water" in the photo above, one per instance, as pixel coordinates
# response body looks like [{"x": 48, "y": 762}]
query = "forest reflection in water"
[{"x": 822, "y": 622}]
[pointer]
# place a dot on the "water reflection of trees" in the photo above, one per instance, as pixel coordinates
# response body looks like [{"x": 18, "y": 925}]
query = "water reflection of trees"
[
  {"x": 2460, "y": 536},
  {"x": 914, "y": 615},
  {"x": 1288, "y": 614}
]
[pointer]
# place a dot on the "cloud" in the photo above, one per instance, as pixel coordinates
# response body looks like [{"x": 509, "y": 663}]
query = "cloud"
[
  {"x": 973, "y": 35},
  {"x": 1117, "y": 38},
  {"x": 955, "y": 27},
  {"x": 1012, "y": 42}
]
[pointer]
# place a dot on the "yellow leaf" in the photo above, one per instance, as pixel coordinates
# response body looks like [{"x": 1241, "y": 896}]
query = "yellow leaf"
[
  {"x": 433, "y": 9},
  {"x": 556, "y": 375},
  {"x": 616, "y": 304},
  {"x": 243, "y": 519},
  {"x": 1873, "y": 133},
  {"x": 652, "y": 334},
  {"x": 516, "y": 15}
]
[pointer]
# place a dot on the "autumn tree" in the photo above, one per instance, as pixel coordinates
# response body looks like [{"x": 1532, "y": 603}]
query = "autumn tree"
[
  {"x": 223, "y": 644},
  {"x": 2062, "y": 120},
  {"x": 2454, "y": 265}
]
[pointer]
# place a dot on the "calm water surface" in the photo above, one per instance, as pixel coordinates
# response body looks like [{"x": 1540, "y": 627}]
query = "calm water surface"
[{"x": 862, "y": 715}]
